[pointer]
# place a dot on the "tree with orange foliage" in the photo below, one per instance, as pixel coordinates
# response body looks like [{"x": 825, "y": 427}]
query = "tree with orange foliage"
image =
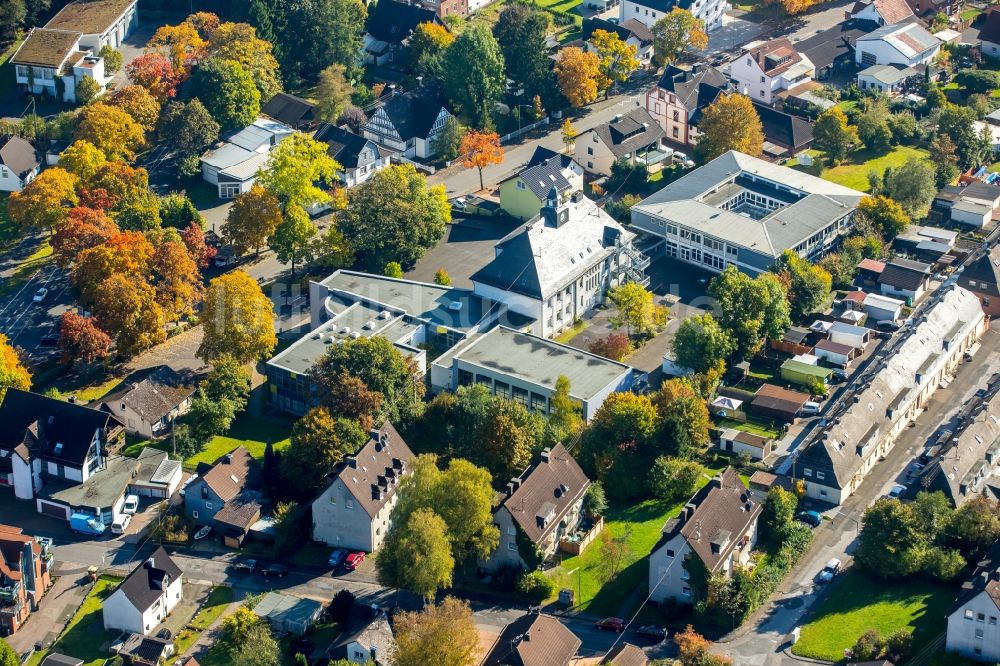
[
  {"x": 177, "y": 280},
  {"x": 45, "y": 201},
  {"x": 792, "y": 7},
  {"x": 183, "y": 44},
  {"x": 675, "y": 32},
  {"x": 577, "y": 73},
  {"x": 480, "y": 149},
  {"x": 154, "y": 72},
  {"x": 200, "y": 251},
  {"x": 206, "y": 23},
  {"x": 80, "y": 339},
  {"x": 139, "y": 103},
  {"x": 692, "y": 650},
  {"x": 126, "y": 308},
  {"x": 111, "y": 130},
  {"x": 126, "y": 253},
  {"x": 83, "y": 229}
]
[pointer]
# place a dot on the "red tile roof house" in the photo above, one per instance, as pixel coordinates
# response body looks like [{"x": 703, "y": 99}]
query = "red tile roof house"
[{"x": 25, "y": 565}]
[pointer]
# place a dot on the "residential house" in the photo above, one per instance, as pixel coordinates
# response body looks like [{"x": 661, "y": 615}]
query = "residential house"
[
  {"x": 233, "y": 165},
  {"x": 19, "y": 163},
  {"x": 648, "y": 12},
  {"x": 146, "y": 597},
  {"x": 785, "y": 135},
  {"x": 368, "y": 638},
  {"x": 359, "y": 156},
  {"x": 25, "y": 575},
  {"x": 927, "y": 9},
  {"x": 631, "y": 31},
  {"x": 779, "y": 403},
  {"x": 882, "y": 12},
  {"x": 989, "y": 35},
  {"x": 228, "y": 480},
  {"x": 890, "y": 79},
  {"x": 739, "y": 441},
  {"x": 625, "y": 654},
  {"x": 973, "y": 631},
  {"x": 982, "y": 277},
  {"x": 895, "y": 388},
  {"x": 906, "y": 44},
  {"x": 717, "y": 526},
  {"x": 832, "y": 50},
  {"x": 288, "y": 614},
  {"x": 389, "y": 27},
  {"x": 558, "y": 266},
  {"x": 533, "y": 639},
  {"x": 525, "y": 368},
  {"x": 525, "y": 193},
  {"x": 238, "y": 518},
  {"x": 869, "y": 271},
  {"x": 139, "y": 650},
  {"x": 408, "y": 123},
  {"x": 150, "y": 400},
  {"x": 677, "y": 100},
  {"x": 743, "y": 211},
  {"x": 835, "y": 353},
  {"x": 633, "y": 137},
  {"x": 354, "y": 509},
  {"x": 541, "y": 505},
  {"x": 292, "y": 111},
  {"x": 769, "y": 68},
  {"x": 905, "y": 278},
  {"x": 882, "y": 308}
]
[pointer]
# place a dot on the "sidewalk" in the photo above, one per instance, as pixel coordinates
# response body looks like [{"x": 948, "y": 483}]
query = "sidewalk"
[{"x": 55, "y": 609}]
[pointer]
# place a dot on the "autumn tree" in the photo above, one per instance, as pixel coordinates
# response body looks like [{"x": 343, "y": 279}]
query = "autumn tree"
[
  {"x": 111, "y": 130},
  {"x": 187, "y": 129},
  {"x": 617, "y": 59},
  {"x": 80, "y": 339},
  {"x": 809, "y": 283},
  {"x": 240, "y": 43},
  {"x": 349, "y": 396},
  {"x": 615, "y": 346},
  {"x": 228, "y": 92},
  {"x": 318, "y": 443},
  {"x": 684, "y": 420},
  {"x": 138, "y": 103},
  {"x": 12, "y": 370},
  {"x": 44, "y": 202},
  {"x": 618, "y": 437},
  {"x": 692, "y": 650},
  {"x": 132, "y": 205},
  {"x": 569, "y": 134},
  {"x": 729, "y": 123},
  {"x": 82, "y": 159},
  {"x": 635, "y": 309},
  {"x": 944, "y": 158},
  {"x": 474, "y": 73},
  {"x": 442, "y": 278},
  {"x": 154, "y": 72},
  {"x": 674, "y": 33},
  {"x": 565, "y": 412},
  {"x": 577, "y": 73},
  {"x": 333, "y": 93},
  {"x": 237, "y": 319},
  {"x": 439, "y": 635},
  {"x": 83, "y": 228},
  {"x": 297, "y": 168},
  {"x": 181, "y": 43},
  {"x": 885, "y": 214},
  {"x": 428, "y": 44},
  {"x": 127, "y": 308},
  {"x": 251, "y": 220},
  {"x": 480, "y": 149},
  {"x": 416, "y": 554},
  {"x": 176, "y": 279},
  {"x": 833, "y": 135},
  {"x": 194, "y": 239},
  {"x": 124, "y": 253}
]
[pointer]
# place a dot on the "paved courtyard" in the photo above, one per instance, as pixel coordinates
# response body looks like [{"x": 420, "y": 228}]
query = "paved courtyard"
[{"x": 466, "y": 247}]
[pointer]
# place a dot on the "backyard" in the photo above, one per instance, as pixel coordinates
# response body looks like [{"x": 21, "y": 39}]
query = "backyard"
[
  {"x": 858, "y": 603},
  {"x": 85, "y": 636},
  {"x": 854, "y": 171},
  {"x": 215, "y": 605}
]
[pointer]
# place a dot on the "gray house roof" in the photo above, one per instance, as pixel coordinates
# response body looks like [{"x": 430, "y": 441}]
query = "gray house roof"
[
  {"x": 628, "y": 132},
  {"x": 372, "y": 474},
  {"x": 18, "y": 155},
  {"x": 910, "y": 39},
  {"x": 152, "y": 393},
  {"x": 541, "y": 178},
  {"x": 888, "y": 74},
  {"x": 150, "y": 579}
]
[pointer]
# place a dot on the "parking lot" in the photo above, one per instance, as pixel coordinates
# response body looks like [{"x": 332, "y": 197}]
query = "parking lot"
[{"x": 466, "y": 247}]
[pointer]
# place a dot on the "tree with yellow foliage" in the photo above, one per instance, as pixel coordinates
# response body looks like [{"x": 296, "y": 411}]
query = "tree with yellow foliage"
[
  {"x": 577, "y": 73},
  {"x": 44, "y": 202},
  {"x": 12, "y": 371},
  {"x": 181, "y": 43},
  {"x": 618, "y": 59},
  {"x": 675, "y": 32},
  {"x": 730, "y": 123},
  {"x": 480, "y": 149},
  {"x": 238, "y": 319},
  {"x": 111, "y": 130}
]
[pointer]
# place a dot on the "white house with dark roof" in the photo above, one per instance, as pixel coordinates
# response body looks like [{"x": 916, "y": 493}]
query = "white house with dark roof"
[
  {"x": 360, "y": 156},
  {"x": 408, "y": 123},
  {"x": 232, "y": 166},
  {"x": 19, "y": 163},
  {"x": 368, "y": 638},
  {"x": 648, "y": 12},
  {"x": 768, "y": 68},
  {"x": 634, "y": 137},
  {"x": 989, "y": 35},
  {"x": 353, "y": 511},
  {"x": 974, "y": 619},
  {"x": 718, "y": 526},
  {"x": 907, "y": 44},
  {"x": 146, "y": 597}
]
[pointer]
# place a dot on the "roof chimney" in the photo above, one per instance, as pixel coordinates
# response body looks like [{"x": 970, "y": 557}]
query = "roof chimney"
[
  {"x": 351, "y": 461},
  {"x": 546, "y": 452}
]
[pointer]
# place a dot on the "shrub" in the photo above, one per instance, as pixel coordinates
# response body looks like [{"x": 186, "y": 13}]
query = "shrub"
[
  {"x": 594, "y": 501},
  {"x": 615, "y": 346},
  {"x": 535, "y": 584}
]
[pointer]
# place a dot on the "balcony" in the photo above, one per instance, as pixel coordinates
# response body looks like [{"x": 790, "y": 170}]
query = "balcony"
[
  {"x": 577, "y": 541},
  {"x": 10, "y": 594}
]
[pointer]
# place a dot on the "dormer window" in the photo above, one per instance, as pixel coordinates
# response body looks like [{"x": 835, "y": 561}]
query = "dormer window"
[{"x": 58, "y": 448}]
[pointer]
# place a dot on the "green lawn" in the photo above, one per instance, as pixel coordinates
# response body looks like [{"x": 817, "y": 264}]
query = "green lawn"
[
  {"x": 858, "y": 603},
  {"x": 582, "y": 573},
  {"x": 84, "y": 636},
  {"x": 215, "y": 605},
  {"x": 752, "y": 426},
  {"x": 854, "y": 172}
]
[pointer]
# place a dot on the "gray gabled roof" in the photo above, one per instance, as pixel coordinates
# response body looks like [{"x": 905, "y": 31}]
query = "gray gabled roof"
[
  {"x": 541, "y": 178},
  {"x": 18, "y": 155},
  {"x": 910, "y": 39},
  {"x": 150, "y": 580},
  {"x": 628, "y": 132}
]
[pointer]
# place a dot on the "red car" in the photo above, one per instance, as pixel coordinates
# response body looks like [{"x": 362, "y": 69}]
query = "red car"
[
  {"x": 611, "y": 624},
  {"x": 353, "y": 560}
]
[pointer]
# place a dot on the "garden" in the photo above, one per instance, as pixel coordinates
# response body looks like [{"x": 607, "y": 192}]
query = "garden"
[
  {"x": 84, "y": 636},
  {"x": 853, "y": 172}
]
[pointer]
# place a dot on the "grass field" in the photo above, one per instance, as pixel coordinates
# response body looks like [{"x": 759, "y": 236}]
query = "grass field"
[
  {"x": 854, "y": 172},
  {"x": 751, "y": 426},
  {"x": 858, "y": 603},
  {"x": 215, "y": 605},
  {"x": 646, "y": 521},
  {"x": 32, "y": 264},
  {"x": 84, "y": 636}
]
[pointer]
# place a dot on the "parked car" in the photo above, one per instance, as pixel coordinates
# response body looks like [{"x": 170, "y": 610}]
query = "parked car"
[
  {"x": 337, "y": 557},
  {"x": 889, "y": 325},
  {"x": 164, "y": 634},
  {"x": 611, "y": 624},
  {"x": 897, "y": 490},
  {"x": 829, "y": 571},
  {"x": 354, "y": 560},
  {"x": 120, "y": 523},
  {"x": 86, "y": 525},
  {"x": 40, "y": 295},
  {"x": 274, "y": 569},
  {"x": 244, "y": 566},
  {"x": 652, "y": 631},
  {"x": 131, "y": 505},
  {"x": 810, "y": 517},
  {"x": 810, "y": 408}
]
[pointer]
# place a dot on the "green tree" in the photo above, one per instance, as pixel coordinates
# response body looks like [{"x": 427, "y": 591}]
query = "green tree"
[
  {"x": 521, "y": 31},
  {"x": 252, "y": 219},
  {"x": 187, "y": 128},
  {"x": 625, "y": 423},
  {"x": 87, "y": 90},
  {"x": 873, "y": 124},
  {"x": 297, "y": 168},
  {"x": 944, "y": 158},
  {"x": 112, "y": 59},
  {"x": 7, "y": 655},
  {"x": 449, "y": 140},
  {"x": 228, "y": 92},
  {"x": 207, "y": 418},
  {"x": 228, "y": 381},
  {"x": 972, "y": 147},
  {"x": 564, "y": 412},
  {"x": 474, "y": 74},
  {"x": 416, "y": 554},
  {"x": 594, "y": 501},
  {"x": 777, "y": 514},
  {"x": 890, "y": 536},
  {"x": 912, "y": 186},
  {"x": 12, "y": 15},
  {"x": 258, "y": 648},
  {"x": 439, "y": 635},
  {"x": 394, "y": 216},
  {"x": 635, "y": 309},
  {"x": 673, "y": 479},
  {"x": 428, "y": 44},
  {"x": 974, "y": 526},
  {"x": 674, "y": 33},
  {"x": 978, "y": 80},
  {"x": 618, "y": 59},
  {"x": 809, "y": 284},
  {"x": 318, "y": 443},
  {"x": 333, "y": 92},
  {"x": 293, "y": 239},
  {"x": 313, "y": 34},
  {"x": 750, "y": 311},
  {"x": 684, "y": 418},
  {"x": 393, "y": 270},
  {"x": 442, "y": 278},
  {"x": 289, "y": 527},
  {"x": 833, "y": 135}
]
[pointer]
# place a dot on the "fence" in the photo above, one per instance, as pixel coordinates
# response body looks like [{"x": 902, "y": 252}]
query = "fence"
[
  {"x": 419, "y": 165},
  {"x": 507, "y": 138}
]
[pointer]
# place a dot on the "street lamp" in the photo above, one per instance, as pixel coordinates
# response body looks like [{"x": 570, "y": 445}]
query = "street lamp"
[{"x": 518, "y": 107}]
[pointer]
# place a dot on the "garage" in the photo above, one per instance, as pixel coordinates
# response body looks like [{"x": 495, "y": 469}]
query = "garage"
[{"x": 53, "y": 510}]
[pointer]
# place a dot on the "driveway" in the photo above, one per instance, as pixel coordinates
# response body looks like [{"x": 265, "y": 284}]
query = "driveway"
[{"x": 54, "y": 610}]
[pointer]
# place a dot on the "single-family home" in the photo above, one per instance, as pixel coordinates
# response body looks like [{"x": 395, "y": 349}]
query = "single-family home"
[
  {"x": 779, "y": 403},
  {"x": 540, "y": 506},
  {"x": 832, "y": 50},
  {"x": 785, "y": 135},
  {"x": 150, "y": 400},
  {"x": 973, "y": 628},
  {"x": 908, "y": 44},
  {"x": 989, "y": 35},
  {"x": 525, "y": 193},
  {"x": 896, "y": 386},
  {"x": 228, "y": 480},
  {"x": 648, "y": 12},
  {"x": 677, "y": 100},
  {"x": 408, "y": 123},
  {"x": 882, "y": 12},
  {"x": 233, "y": 165},
  {"x": 764, "y": 70},
  {"x": 882, "y": 308},
  {"x": 389, "y": 27},
  {"x": 834, "y": 353},
  {"x": 982, "y": 277},
  {"x": 889, "y": 79},
  {"x": 146, "y": 597},
  {"x": 634, "y": 137},
  {"x": 558, "y": 266},
  {"x": 139, "y": 650},
  {"x": 353, "y": 511},
  {"x": 290, "y": 110},
  {"x": 368, "y": 638},
  {"x": 361, "y": 157},
  {"x": 927, "y": 9},
  {"x": 717, "y": 526},
  {"x": 19, "y": 163},
  {"x": 26, "y": 565},
  {"x": 625, "y": 654},
  {"x": 534, "y": 638},
  {"x": 631, "y": 31},
  {"x": 905, "y": 278},
  {"x": 287, "y": 613},
  {"x": 740, "y": 441}
]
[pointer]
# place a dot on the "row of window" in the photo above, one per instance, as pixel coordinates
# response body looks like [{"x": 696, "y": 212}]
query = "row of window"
[{"x": 819, "y": 475}]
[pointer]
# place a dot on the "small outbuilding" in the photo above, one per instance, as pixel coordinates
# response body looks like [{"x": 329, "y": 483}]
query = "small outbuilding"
[
  {"x": 834, "y": 353},
  {"x": 847, "y": 334},
  {"x": 284, "y": 612},
  {"x": 804, "y": 374},
  {"x": 738, "y": 441},
  {"x": 776, "y": 402},
  {"x": 882, "y": 308}
]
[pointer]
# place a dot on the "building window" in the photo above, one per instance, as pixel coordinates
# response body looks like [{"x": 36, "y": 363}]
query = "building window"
[
  {"x": 675, "y": 132},
  {"x": 822, "y": 492},
  {"x": 590, "y": 150},
  {"x": 670, "y": 552},
  {"x": 520, "y": 184},
  {"x": 762, "y": 79},
  {"x": 677, "y": 116},
  {"x": 807, "y": 472},
  {"x": 349, "y": 503},
  {"x": 979, "y": 632},
  {"x": 194, "y": 514},
  {"x": 686, "y": 591},
  {"x": 511, "y": 530},
  {"x": 512, "y": 545},
  {"x": 820, "y": 476},
  {"x": 968, "y": 614},
  {"x": 209, "y": 506},
  {"x": 980, "y": 617},
  {"x": 993, "y": 619}
]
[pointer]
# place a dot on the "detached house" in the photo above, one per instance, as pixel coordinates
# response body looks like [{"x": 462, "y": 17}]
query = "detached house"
[
  {"x": 717, "y": 526},
  {"x": 907, "y": 44},
  {"x": 770, "y": 68},
  {"x": 360, "y": 156},
  {"x": 648, "y": 12},
  {"x": 989, "y": 35},
  {"x": 633, "y": 137},
  {"x": 542, "y": 505},
  {"x": 677, "y": 100},
  {"x": 19, "y": 163},
  {"x": 146, "y": 597},
  {"x": 881, "y": 12},
  {"x": 973, "y": 629},
  {"x": 353, "y": 511},
  {"x": 228, "y": 484},
  {"x": 533, "y": 640},
  {"x": 631, "y": 31},
  {"x": 390, "y": 25},
  {"x": 525, "y": 193},
  {"x": 150, "y": 400},
  {"x": 233, "y": 165},
  {"x": 408, "y": 123},
  {"x": 25, "y": 575}
]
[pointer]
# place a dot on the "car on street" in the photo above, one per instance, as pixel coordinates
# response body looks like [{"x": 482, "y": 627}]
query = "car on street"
[
  {"x": 889, "y": 325},
  {"x": 354, "y": 560},
  {"x": 337, "y": 557},
  {"x": 897, "y": 490},
  {"x": 274, "y": 569},
  {"x": 611, "y": 624},
  {"x": 652, "y": 631},
  {"x": 829, "y": 571},
  {"x": 810, "y": 517},
  {"x": 40, "y": 295},
  {"x": 810, "y": 407},
  {"x": 120, "y": 523},
  {"x": 244, "y": 566},
  {"x": 164, "y": 634}
]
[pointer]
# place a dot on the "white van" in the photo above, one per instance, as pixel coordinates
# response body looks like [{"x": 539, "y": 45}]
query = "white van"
[
  {"x": 810, "y": 408},
  {"x": 131, "y": 505},
  {"x": 121, "y": 523}
]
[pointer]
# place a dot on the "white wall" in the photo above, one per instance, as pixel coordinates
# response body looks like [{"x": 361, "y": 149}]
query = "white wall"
[
  {"x": 967, "y": 634},
  {"x": 340, "y": 521},
  {"x": 23, "y": 488}
]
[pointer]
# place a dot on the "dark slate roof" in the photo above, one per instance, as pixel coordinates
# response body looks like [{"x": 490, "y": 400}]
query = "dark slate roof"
[
  {"x": 624, "y": 30},
  {"x": 664, "y": 5},
  {"x": 369, "y": 628},
  {"x": 391, "y": 21},
  {"x": 625, "y": 654},
  {"x": 541, "y": 178},
  {"x": 784, "y": 129},
  {"x": 344, "y": 145},
  {"x": 290, "y": 110},
  {"x": 985, "y": 272},
  {"x": 147, "y": 583},
  {"x": 533, "y": 640},
  {"x": 695, "y": 88},
  {"x": 825, "y": 48},
  {"x": 240, "y": 513},
  {"x": 543, "y": 154},
  {"x": 546, "y": 491},
  {"x": 413, "y": 113},
  {"x": 56, "y": 659},
  {"x": 145, "y": 649},
  {"x": 775, "y": 56},
  {"x": 18, "y": 155},
  {"x": 990, "y": 32},
  {"x": 903, "y": 274},
  {"x": 635, "y": 129},
  {"x": 47, "y": 422},
  {"x": 984, "y": 579}
]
